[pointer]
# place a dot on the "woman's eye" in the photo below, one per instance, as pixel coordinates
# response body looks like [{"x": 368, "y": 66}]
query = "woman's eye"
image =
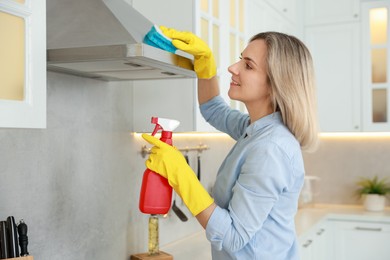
[{"x": 247, "y": 66}]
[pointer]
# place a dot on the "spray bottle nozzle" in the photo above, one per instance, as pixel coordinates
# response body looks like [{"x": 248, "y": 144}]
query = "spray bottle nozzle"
[{"x": 164, "y": 124}]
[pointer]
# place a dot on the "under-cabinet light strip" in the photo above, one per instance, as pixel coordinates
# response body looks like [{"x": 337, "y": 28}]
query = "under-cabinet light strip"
[
  {"x": 327, "y": 135},
  {"x": 355, "y": 135}
]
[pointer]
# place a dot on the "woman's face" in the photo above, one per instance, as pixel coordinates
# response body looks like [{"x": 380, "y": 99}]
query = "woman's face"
[{"x": 249, "y": 83}]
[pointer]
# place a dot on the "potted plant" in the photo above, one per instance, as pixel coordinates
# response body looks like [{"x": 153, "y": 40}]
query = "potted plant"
[{"x": 373, "y": 191}]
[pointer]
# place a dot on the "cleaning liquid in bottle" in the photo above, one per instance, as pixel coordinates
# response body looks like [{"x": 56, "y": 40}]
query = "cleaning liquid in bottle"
[{"x": 156, "y": 193}]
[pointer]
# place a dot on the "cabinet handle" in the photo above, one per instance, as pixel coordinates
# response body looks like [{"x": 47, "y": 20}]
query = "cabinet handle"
[
  {"x": 368, "y": 229},
  {"x": 319, "y": 232},
  {"x": 308, "y": 243}
]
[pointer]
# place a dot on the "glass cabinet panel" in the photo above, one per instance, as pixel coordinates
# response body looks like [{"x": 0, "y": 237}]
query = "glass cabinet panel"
[
  {"x": 233, "y": 19},
  {"x": 216, "y": 44},
  {"x": 378, "y": 25},
  {"x": 377, "y": 43},
  {"x": 204, "y": 5},
  {"x": 379, "y": 105},
  {"x": 233, "y": 53},
  {"x": 216, "y": 8},
  {"x": 204, "y": 30},
  {"x": 378, "y": 37},
  {"x": 12, "y": 57},
  {"x": 379, "y": 65},
  {"x": 241, "y": 16}
]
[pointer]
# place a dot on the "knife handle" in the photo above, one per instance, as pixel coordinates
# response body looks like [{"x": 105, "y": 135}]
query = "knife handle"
[
  {"x": 3, "y": 240},
  {"x": 23, "y": 238},
  {"x": 12, "y": 237},
  {"x": 198, "y": 174}
]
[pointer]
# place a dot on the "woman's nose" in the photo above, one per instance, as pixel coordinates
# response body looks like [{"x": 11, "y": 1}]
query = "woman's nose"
[{"x": 233, "y": 69}]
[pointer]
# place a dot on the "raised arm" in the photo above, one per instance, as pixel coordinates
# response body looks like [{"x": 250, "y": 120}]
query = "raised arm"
[{"x": 207, "y": 89}]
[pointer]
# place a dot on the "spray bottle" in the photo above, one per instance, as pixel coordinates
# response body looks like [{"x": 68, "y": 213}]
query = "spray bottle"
[{"x": 156, "y": 193}]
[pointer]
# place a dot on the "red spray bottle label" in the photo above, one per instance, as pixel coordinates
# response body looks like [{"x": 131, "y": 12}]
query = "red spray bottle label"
[{"x": 156, "y": 193}]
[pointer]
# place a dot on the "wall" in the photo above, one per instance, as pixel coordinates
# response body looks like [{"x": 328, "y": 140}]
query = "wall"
[
  {"x": 341, "y": 161},
  {"x": 76, "y": 184}
]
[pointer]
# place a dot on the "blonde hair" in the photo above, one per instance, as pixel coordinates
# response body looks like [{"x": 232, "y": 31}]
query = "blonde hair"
[{"x": 292, "y": 83}]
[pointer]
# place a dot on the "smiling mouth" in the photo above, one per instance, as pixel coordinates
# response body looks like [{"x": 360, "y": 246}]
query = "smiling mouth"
[{"x": 234, "y": 83}]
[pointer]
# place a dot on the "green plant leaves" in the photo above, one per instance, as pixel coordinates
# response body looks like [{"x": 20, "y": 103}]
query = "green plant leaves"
[{"x": 373, "y": 186}]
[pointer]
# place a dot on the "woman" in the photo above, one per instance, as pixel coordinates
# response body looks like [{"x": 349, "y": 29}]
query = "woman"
[{"x": 255, "y": 196}]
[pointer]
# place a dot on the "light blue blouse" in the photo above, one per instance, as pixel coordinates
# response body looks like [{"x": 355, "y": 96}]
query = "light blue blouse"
[{"x": 256, "y": 189}]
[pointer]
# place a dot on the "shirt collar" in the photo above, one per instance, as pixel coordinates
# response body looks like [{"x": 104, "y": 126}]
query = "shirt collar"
[{"x": 263, "y": 122}]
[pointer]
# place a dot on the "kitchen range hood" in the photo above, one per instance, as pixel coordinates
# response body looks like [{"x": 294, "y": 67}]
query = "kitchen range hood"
[{"x": 103, "y": 39}]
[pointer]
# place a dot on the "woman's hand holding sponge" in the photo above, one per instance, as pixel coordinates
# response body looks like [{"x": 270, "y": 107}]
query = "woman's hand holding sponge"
[{"x": 204, "y": 62}]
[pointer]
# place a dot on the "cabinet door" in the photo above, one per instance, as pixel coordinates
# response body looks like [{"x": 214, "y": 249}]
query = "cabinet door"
[
  {"x": 361, "y": 240},
  {"x": 331, "y": 11},
  {"x": 287, "y": 8},
  {"x": 23, "y": 64},
  {"x": 305, "y": 247},
  {"x": 262, "y": 17},
  {"x": 316, "y": 244},
  {"x": 375, "y": 65},
  {"x": 335, "y": 51}
]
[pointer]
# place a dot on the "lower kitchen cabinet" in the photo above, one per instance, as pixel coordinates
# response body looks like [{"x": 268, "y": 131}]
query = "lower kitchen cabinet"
[
  {"x": 316, "y": 244},
  {"x": 346, "y": 238},
  {"x": 360, "y": 240}
]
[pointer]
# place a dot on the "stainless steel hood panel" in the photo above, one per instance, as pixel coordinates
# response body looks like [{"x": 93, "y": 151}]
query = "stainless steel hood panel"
[
  {"x": 120, "y": 62},
  {"x": 102, "y": 39}
]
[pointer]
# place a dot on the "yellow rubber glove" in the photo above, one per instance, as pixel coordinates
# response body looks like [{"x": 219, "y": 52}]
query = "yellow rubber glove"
[
  {"x": 170, "y": 163},
  {"x": 204, "y": 62}
]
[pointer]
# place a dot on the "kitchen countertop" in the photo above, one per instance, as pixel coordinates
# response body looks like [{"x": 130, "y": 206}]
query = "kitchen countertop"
[
  {"x": 307, "y": 217},
  {"x": 197, "y": 247}
]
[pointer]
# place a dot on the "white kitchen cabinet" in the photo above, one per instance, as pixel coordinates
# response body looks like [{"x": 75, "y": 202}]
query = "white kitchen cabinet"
[
  {"x": 375, "y": 65},
  {"x": 287, "y": 8},
  {"x": 331, "y": 11},
  {"x": 332, "y": 34},
  {"x": 360, "y": 240},
  {"x": 335, "y": 49},
  {"x": 262, "y": 16},
  {"x": 316, "y": 243},
  {"x": 23, "y": 64}
]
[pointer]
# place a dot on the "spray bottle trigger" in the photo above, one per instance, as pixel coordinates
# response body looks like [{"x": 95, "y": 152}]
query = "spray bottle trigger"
[{"x": 156, "y": 128}]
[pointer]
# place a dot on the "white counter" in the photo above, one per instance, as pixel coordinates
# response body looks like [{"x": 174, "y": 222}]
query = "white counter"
[
  {"x": 197, "y": 247},
  {"x": 308, "y": 217}
]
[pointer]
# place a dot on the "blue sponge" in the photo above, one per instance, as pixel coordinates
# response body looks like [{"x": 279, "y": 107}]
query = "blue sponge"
[{"x": 157, "y": 39}]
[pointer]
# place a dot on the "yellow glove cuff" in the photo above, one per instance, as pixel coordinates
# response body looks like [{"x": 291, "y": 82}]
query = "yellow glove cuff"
[
  {"x": 205, "y": 67},
  {"x": 192, "y": 192}
]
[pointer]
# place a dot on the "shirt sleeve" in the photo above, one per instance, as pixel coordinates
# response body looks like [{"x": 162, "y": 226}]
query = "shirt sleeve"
[
  {"x": 263, "y": 177},
  {"x": 217, "y": 113}
]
